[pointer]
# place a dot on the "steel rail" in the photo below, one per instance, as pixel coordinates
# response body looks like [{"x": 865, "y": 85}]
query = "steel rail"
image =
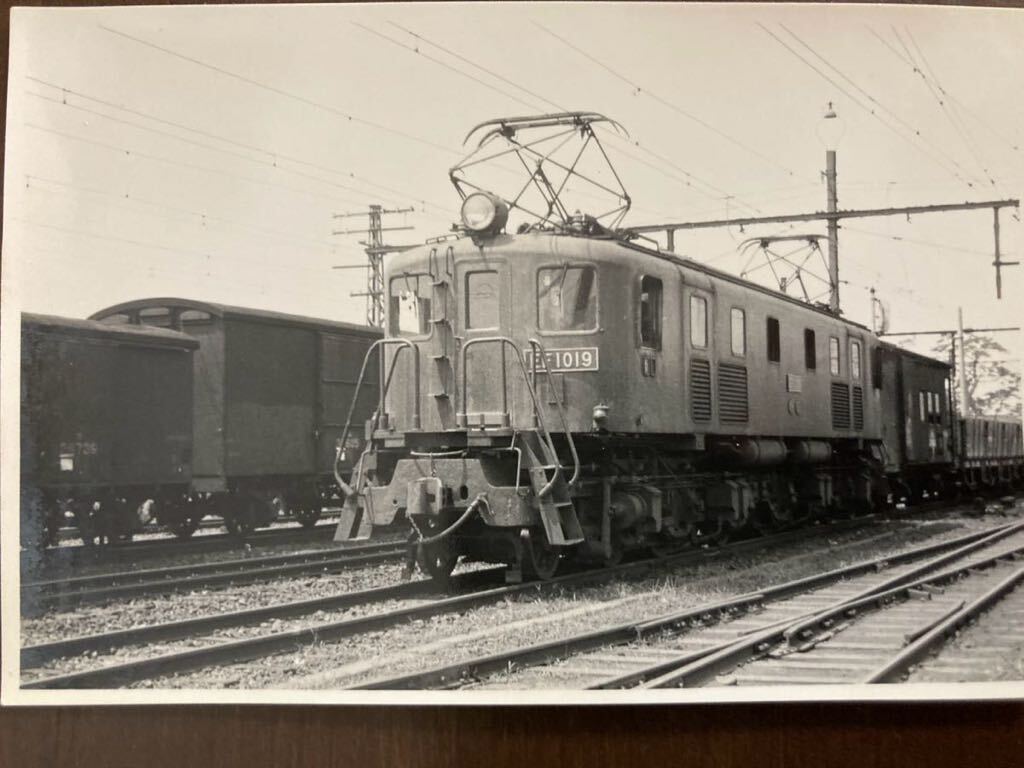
[
  {"x": 449, "y": 674},
  {"x": 263, "y": 645},
  {"x": 923, "y": 645},
  {"x": 173, "y": 546},
  {"x": 152, "y": 574},
  {"x": 696, "y": 668},
  {"x": 241, "y": 572}
]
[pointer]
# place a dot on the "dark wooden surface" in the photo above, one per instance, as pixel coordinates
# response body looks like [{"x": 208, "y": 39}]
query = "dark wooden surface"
[{"x": 763, "y": 736}]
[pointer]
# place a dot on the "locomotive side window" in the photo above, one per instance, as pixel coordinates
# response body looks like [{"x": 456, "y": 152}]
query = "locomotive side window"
[
  {"x": 774, "y": 341},
  {"x": 409, "y": 307},
  {"x": 810, "y": 350},
  {"x": 924, "y": 405},
  {"x": 567, "y": 298},
  {"x": 699, "y": 321},
  {"x": 482, "y": 299},
  {"x": 833, "y": 355},
  {"x": 876, "y": 367},
  {"x": 650, "y": 312},
  {"x": 739, "y": 332},
  {"x": 855, "y": 359}
]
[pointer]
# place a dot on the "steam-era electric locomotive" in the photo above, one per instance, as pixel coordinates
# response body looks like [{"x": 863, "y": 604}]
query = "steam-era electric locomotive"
[{"x": 565, "y": 391}]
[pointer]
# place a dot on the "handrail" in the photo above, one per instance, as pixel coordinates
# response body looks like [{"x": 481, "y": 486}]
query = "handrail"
[
  {"x": 386, "y": 384},
  {"x": 464, "y": 414},
  {"x": 536, "y": 345}
]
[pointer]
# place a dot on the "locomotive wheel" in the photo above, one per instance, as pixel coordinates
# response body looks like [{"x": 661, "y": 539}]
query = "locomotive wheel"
[
  {"x": 437, "y": 560},
  {"x": 712, "y": 533},
  {"x": 617, "y": 550},
  {"x": 666, "y": 548},
  {"x": 543, "y": 560},
  {"x": 308, "y": 517}
]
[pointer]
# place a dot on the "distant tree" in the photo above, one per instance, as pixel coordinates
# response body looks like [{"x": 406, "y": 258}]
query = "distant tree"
[{"x": 993, "y": 386}]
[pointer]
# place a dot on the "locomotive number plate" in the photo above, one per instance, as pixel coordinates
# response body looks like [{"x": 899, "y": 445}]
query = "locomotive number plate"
[{"x": 565, "y": 360}]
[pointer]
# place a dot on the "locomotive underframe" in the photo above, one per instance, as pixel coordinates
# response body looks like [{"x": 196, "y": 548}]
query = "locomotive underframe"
[{"x": 660, "y": 492}]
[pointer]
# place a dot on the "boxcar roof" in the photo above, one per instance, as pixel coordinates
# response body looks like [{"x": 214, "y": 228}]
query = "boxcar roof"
[
  {"x": 925, "y": 359},
  {"x": 69, "y": 326},
  {"x": 229, "y": 311}
]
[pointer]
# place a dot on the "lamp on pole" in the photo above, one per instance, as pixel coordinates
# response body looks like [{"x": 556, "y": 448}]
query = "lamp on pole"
[{"x": 830, "y": 131}]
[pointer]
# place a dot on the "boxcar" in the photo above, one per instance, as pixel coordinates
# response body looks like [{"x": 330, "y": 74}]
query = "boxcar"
[
  {"x": 106, "y": 423},
  {"x": 917, "y": 422},
  {"x": 271, "y": 394}
]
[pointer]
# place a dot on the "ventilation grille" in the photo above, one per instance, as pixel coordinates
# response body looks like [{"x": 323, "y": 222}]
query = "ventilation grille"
[
  {"x": 858, "y": 408},
  {"x": 840, "y": 406},
  {"x": 700, "y": 389},
  {"x": 732, "y": 393}
]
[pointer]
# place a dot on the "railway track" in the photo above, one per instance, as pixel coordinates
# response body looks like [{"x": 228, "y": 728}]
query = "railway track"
[
  {"x": 699, "y": 644},
  {"x": 38, "y": 596},
  {"x": 425, "y": 603},
  {"x": 74, "y": 554}
]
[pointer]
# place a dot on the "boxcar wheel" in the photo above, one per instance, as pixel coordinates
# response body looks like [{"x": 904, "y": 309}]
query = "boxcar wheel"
[
  {"x": 308, "y": 518},
  {"x": 185, "y": 527}
]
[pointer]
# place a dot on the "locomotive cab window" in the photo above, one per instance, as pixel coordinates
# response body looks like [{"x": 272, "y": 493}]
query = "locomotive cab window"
[
  {"x": 409, "y": 305},
  {"x": 810, "y": 350},
  {"x": 833, "y": 356},
  {"x": 482, "y": 302},
  {"x": 567, "y": 298},
  {"x": 699, "y": 321},
  {"x": 855, "y": 359},
  {"x": 650, "y": 312},
  {"x": 739, "y": 332},
  {"x": 774, "y": 340}
]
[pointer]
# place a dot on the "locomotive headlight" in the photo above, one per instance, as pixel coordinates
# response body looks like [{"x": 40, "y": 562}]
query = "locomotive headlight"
[{"x": 484, "y": 213}]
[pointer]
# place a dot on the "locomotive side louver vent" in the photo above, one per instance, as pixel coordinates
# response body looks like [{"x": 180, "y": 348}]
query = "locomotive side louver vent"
[
  {"x": 700, "y": 389},
  {"x": 840, "y": 406},
  {"x": 732, "y": 393},
  {"x": 858, "y": 408}
]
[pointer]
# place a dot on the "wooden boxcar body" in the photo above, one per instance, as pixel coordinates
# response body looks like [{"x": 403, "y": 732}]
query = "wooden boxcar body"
[
  {"x": 271, "y": 394},
  {"x": 106, "y": 415}
]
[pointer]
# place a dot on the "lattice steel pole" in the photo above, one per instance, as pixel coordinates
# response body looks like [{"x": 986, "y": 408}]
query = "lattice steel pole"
[{"x": 375, "y": 250}]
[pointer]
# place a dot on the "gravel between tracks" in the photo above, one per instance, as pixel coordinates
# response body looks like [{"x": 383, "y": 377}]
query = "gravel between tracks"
[
  {"x": 90, "y": 619},
  {"x": 532, "y": 618}
]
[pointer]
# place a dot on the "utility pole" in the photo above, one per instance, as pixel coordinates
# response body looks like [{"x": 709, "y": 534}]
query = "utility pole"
[
  {"x": 833, "y": 216},
  {"x": 964, "y": 394},
  {"x": 375, "y": 250},
  {"x": 833, "y": 232}
]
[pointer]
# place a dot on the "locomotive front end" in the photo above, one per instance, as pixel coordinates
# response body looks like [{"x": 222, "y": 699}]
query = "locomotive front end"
[{"x": 471, "y": 443}]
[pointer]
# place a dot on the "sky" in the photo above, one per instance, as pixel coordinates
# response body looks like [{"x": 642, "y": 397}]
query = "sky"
[{"x": 205, "y": 152}]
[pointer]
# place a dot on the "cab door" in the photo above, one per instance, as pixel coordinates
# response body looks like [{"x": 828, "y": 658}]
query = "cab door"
[{"x": 492, "y": 373}]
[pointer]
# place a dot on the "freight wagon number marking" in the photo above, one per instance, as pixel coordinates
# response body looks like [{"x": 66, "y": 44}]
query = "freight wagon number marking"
[{"x": 565, "y": 360}]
